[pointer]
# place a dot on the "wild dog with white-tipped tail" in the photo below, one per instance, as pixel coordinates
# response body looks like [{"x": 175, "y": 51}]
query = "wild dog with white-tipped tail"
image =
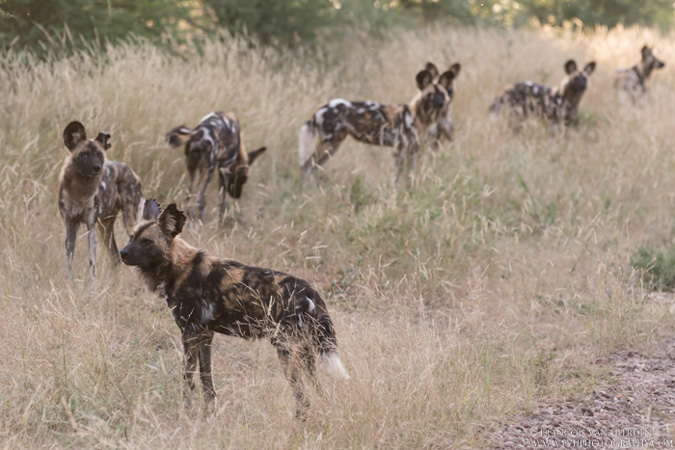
[
  {"x": 399, "y": 126},
  {"x": 208, "y": 295}
]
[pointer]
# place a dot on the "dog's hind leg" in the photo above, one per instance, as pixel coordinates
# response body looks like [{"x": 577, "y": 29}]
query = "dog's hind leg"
[
  {"x": 293, "y": 373},
  {"x": 71, "y": 237}
]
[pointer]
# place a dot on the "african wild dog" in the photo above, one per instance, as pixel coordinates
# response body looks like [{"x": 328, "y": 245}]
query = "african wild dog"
[
  {"x": 208, "y": 295},
  {"x": 555, "y": 104},
  {"x": 216, "y": 142},
  {"x": 398, "y": 126},
  {"x": 443, "y": 129},
  {"x": 632, "y": 81},
  {"x": 93, "y": 191}
]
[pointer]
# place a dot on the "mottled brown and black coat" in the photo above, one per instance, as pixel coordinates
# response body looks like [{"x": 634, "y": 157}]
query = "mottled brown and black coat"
[
  {"x": 559, "y": 105},
  {"x": 399, "y": 126},
  {"x": 633, "y": 81},
  {"x": 208, "y": 295},
  {"x": 93, "y": 191},
  {"x": 215, "y": 143}
]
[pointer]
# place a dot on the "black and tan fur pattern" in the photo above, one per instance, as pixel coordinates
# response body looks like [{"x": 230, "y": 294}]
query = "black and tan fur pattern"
[
  {"x": 633, "y": 81},
  {"x": 208, "y": 295},
  {"x": 398, "y": 126},
  {"x": 93, "y": 191},
  {"x": 443, "y": 130},
  {"x": 559, "y": 105},
  {"x": 215, "y": 143}
]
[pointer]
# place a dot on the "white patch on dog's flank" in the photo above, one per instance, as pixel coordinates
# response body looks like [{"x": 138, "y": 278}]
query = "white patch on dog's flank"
[
  {"x": 208, "y": 116},
  {"x": 339, "y": 101},
  {"x": 331, "y": 361},
  {"x": 103, "y": 185},
  {"x": 312, "y": 306},
  {"x": 306, "y": 143},
  {"x": 207, "y": 311}
]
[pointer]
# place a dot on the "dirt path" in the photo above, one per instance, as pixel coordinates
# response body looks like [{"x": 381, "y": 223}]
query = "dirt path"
[{"x": 633, "y": 408}]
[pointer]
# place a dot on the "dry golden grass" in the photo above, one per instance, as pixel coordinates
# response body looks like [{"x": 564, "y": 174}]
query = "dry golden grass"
[{"x": 495, "y": 281}]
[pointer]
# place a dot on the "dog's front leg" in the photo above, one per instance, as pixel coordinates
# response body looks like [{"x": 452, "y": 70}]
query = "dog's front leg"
[
  {"x": 71, "y": 237},
  {"x": 222, "y": 194},
  {"x": 205, "y": 367},
  {"x": 92, "y": 249},
  {"x": 190, "y": 357}
]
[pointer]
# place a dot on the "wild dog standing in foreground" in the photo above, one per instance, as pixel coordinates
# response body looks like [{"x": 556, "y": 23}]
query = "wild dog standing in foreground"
[
  {"x": 209, "y": 295},
  {"x": 443, "y": 129},
  {"x": 93, "y": 191},
  {"x": 398, "y": 126},
  {"x": 558, "y": 105},
  {"x": 215, "y": 142},
  {"x": 632, "y": 81}
]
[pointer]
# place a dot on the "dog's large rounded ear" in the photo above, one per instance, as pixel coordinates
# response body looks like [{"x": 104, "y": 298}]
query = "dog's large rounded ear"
[
  {"x": 151, "y": 210},
  {"x": 446, "y": 78},
  {"x": 252, "y": 156},
  {"x": 103, "y": 138},
  {"x": 646, "y": 51},
  {"x": 178, "y": 136},
  {"x": 590, "y": 67},
  {"x": 172, "y": 220},
  {"x": 570, "y": 67},
  {"x": 423, "y": 79},
  {"x": 432, "y": 69},
  {"x": 73, "y": 134},
  {"x": 455, "y": 68}
]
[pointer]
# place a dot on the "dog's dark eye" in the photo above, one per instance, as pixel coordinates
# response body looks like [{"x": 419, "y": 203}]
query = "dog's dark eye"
[{"x": 146, "y": 241}]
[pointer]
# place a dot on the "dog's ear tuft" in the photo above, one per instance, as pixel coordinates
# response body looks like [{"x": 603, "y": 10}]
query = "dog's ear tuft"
[
  {"x": 590, "y": 67},
  {"x": 172, "y": 220},
  {"x": 432, "y": 69},
  {"x": 252, "y": 156},
  {"x": 178, "y": 136},
  {"x": 423, "y": 79},
  {"x": 151, "y": 210},
  {"x": 446, "y": 78},
  {"x": 103, "y": 138},
  {"x": 73, "y": 134},
  {"x": 570, "y": 67}
]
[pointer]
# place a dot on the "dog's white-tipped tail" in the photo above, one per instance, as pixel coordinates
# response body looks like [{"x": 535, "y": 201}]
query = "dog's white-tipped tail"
[
  {"x": 306, "y": 142},
  {"x": 331, "y": 361}
]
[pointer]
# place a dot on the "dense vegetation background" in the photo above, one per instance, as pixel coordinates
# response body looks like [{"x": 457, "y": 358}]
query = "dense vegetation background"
[{"x": 37, "y": 23}]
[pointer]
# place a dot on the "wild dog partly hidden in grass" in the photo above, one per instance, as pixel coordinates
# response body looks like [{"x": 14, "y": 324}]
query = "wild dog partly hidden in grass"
[
  {"x": 215, "y": 143},
  {"x": 633, "y": 81},
  {"x": 93, "y": 191},
  {"x": 558, "y": 105},
  {"x": 208, "y": 295},
  {"x": 398, "y": 126},
  {"x": 443, "y": 129}
]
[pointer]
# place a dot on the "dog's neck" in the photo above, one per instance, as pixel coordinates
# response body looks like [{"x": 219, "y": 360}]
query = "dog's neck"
[
  {"x": 643, "y": 71},
  {"x": 163, "y": 278},
  {"x": 78, "y": 187}
]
